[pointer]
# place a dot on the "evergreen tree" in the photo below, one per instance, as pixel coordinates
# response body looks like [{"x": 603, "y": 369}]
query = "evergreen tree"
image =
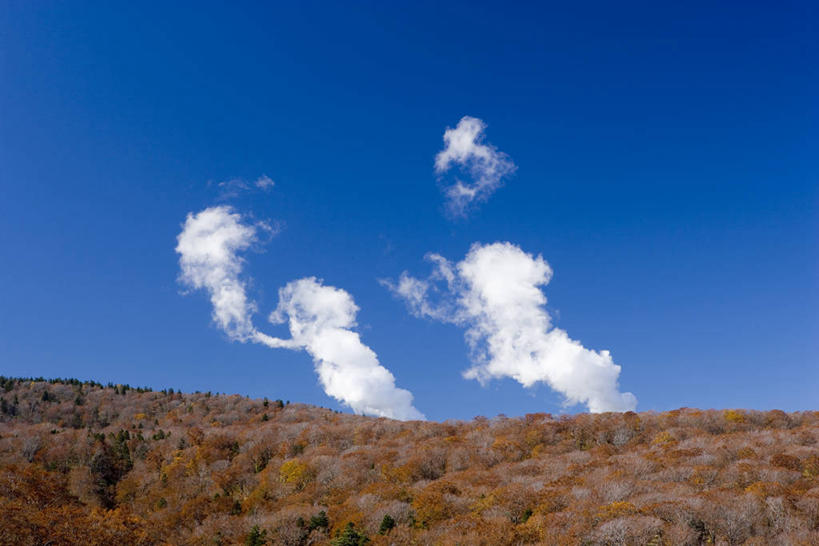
[
  {"x": 350, "y": 537},
  {"x": 386, "y": 524},
  {"x": 319, "y": 520},
  {"x": 256, "y": 537}
]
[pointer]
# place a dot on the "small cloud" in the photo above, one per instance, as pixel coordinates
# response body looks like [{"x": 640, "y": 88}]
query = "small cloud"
[
  {"x": 233, "y": 184},
  {"x": 486, "y": 165},
  {"x": 230, "y": 189},
  {"x": 264, "y": 182}
]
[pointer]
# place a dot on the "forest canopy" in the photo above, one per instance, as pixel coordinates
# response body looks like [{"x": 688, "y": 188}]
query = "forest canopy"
[{"x": 82, "y": 462}]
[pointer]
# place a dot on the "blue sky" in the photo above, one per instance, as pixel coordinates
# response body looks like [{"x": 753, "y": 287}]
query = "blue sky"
[{"x": 666, "y": 170}]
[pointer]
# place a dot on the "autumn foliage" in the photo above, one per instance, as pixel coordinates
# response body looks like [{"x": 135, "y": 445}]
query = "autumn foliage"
[{"x": 81, "y": 463}]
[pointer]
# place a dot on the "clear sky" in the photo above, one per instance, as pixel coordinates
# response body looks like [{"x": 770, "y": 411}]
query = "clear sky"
[{"x": 666, "y": 170}]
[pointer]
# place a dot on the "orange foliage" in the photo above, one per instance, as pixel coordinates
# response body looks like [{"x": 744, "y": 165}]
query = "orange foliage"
[{"x": 204, "y": 469}]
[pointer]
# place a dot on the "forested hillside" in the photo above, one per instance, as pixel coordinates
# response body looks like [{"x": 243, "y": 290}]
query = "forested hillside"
[{"x": 81, "y": 463}]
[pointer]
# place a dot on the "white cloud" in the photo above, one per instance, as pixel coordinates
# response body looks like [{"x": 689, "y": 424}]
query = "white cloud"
[
  {"x": 264, "y": 182},
  {"x": 320, "y": 317},
  {"x": 321, "y": 320},
  {"x": 495, "y": 293},
  {"x": 208, "y": 247},
  {"x": 464, "y": 146}
]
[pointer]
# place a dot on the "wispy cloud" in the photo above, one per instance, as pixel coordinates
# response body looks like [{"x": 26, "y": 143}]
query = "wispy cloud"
[
  {"x": 321, "y": 318},
  {"x": 264, "y": 182},
  {"x": 486, "y": 165},
  {"x": 495, "y": 294},
  {"x": 230, "y": 189}
]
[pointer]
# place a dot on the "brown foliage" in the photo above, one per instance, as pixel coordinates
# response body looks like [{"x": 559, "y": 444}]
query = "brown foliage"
[{"x": 203, "y": 469}]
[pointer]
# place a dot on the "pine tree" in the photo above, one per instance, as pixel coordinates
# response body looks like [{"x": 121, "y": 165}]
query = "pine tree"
[
  {"x": 350, "y": 537},
  {"x": 386, "y": 524},
  {"x": 256, "y": 537}
]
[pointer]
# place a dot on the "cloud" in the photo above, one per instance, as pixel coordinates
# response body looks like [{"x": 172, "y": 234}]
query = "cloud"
[
  {"x": 230, "y": 189},
  {"x": 208, "y": 247},
  {"x": 495, "y": 293},
  {"x": 264, "y": 182},
  {"x": 320, "y": 317},
  {"x": 464, "y": 146}
]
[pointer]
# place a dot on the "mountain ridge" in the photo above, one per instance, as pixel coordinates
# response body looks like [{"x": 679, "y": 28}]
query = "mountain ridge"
[{"x": 119, "y": 463}]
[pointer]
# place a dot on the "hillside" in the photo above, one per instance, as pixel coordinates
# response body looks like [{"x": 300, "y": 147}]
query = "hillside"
[{"x": 82, "y": 463}]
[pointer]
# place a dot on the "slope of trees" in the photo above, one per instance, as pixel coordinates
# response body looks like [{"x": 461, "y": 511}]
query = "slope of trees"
[{"x": 82, "y": 463}]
